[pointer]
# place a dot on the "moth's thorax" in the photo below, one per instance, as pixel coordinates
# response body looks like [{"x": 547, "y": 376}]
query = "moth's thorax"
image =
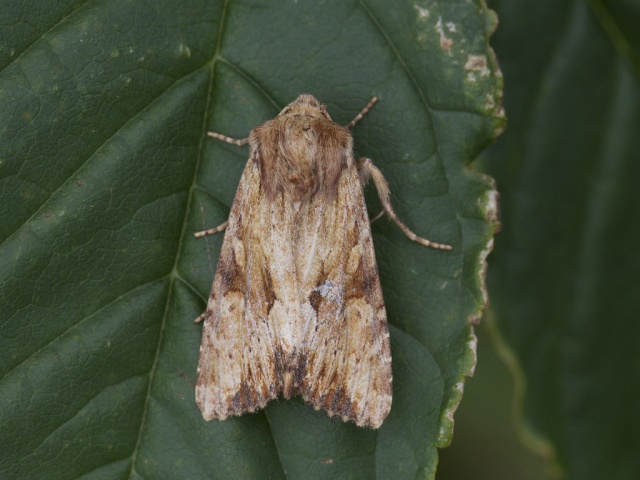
[{"x": 301, "y": 152}]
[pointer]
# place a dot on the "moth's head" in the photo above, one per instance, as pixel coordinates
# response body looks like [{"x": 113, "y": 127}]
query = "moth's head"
[{"x": 306, "y": 105}]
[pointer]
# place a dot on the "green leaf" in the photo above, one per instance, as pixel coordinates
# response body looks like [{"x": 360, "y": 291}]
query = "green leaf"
[
  {"x": 105, "y": 173},
  {"x": 564, "y": 281}
]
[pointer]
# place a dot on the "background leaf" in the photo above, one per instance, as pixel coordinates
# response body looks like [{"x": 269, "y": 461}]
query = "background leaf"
[
  {"x": 105, "y": 172},
  {"x": 564, "y": 279}
]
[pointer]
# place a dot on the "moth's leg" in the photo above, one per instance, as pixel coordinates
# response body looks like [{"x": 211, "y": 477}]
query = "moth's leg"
[
  {"x": 234, "y": 141},
  {"x": 368, "y": 170},
  {"x": 211, "y": 231},
  {"x": 204, "y": 233},
  {"x": 377, "y": 217},
  {"x": 363, "y": 112}
]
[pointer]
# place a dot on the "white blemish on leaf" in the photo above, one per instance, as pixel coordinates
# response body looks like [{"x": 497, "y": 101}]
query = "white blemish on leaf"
[
  {"x": 477, "y": 63},
  {"x": 472, "y": 345},
  {"x": 491, "y": 206},
  {"x": 184, "y": 50},
  {"x": 423, "y": 13},
  {"x": 490, "y": 102},
  {"x": 445, "y": 42}
]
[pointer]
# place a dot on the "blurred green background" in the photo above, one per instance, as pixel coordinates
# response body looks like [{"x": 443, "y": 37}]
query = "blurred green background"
[{"x": 487, "y": 442}]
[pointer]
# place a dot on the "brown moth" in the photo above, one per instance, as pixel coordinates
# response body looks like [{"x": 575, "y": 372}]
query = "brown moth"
[{"x": 296, "y": 305}]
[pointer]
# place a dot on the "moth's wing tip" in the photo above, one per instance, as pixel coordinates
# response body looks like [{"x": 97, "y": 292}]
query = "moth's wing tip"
[
  {"x": 374, "y": 412},
  {"x": 221, "y": 407}
]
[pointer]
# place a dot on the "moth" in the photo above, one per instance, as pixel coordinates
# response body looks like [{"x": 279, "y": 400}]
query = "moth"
[{"x": 296, "y": 305}]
